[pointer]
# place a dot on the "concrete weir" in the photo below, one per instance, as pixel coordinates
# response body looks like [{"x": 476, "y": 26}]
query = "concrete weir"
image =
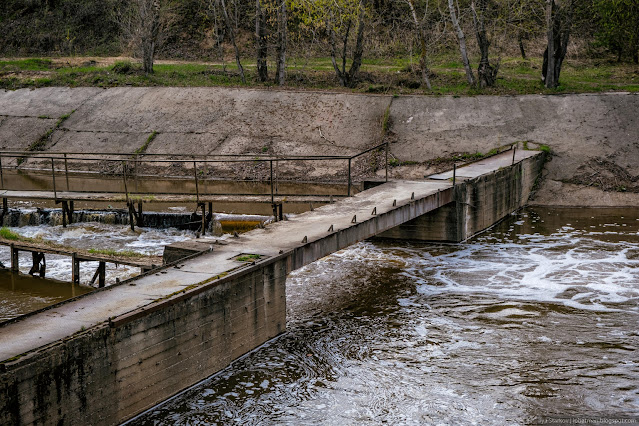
[{"x": 103, "y": 358}]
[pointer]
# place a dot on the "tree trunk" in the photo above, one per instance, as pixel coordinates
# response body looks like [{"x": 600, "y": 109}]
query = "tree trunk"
[
  {"x": 423, "y": 58},
  {"x": 359, "y": 51},
  {"x": 261, "y": 41},
  {"x": 231, "y": 31},
  {"x": 339, "y": 72},
  {"x": 520, "y": 39},
  {"x": 559, "y": 23},
  {"x": 282, "y": 30},
  {"x": 462, "y": 43},
  {"x": 486, "y": 73},
  {"x": 150, "y": 20}
]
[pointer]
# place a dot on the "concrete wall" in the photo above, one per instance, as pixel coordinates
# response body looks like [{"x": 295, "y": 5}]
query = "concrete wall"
[
  {"x": 588, "y": 133},
  {"x": 106, "y": 374},
  {"x": 479, "y": 204}
]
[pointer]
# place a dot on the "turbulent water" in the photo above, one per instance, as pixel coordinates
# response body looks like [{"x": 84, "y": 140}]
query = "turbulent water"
[
  {"x": 534, "y": 319},
  {"x": 23, "y": 294}
]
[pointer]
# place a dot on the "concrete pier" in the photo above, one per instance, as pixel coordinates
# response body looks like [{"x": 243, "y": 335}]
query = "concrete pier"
[{"x": 104, "y": 357}]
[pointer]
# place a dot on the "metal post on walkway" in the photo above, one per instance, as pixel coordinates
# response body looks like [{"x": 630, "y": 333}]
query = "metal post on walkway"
[
  {"x": 126, "y": 189},
  {"x": 514, "y": 151},
  {"x": 272, "y": 192},
  {"x": 75, "y": 269},
  {"x": 454, "y": 173},
  {"x": 15, "y": 267},
  {"x": 55, "y": 192},
  {"x": 66, "y": 170},
  {"x": 197, "y": 187}
]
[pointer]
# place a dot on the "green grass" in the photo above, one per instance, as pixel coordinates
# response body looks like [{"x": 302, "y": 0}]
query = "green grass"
[
  {"x": 391, "y": 76},
  {"x": 143, "y": 148},
  {"x": 8, "y": 234},
  {"x": 248, "y": 257}
]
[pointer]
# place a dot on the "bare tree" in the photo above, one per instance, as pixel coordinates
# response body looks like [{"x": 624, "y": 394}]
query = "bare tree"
[
  {"x": 559, "y": 24},
  {"x": 282, "y": 33},
  {"x": 141, "y": 24},
  {"x": 348, "y": 78},
  {"x": 231, "y": 32},
  {"x": 261, "y": 41},
  {"x": 421, "y": 29},
  {"x": 462, "y": 43},
  {"x": 486, "y": 73}
]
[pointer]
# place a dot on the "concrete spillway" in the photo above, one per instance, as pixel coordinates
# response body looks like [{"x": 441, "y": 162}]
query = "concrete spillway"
[{"x": 145, "y": 340}]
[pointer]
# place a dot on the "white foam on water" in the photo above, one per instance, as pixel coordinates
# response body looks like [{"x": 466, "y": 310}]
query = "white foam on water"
[
  {"x": 86, "y": 236},
  {"x": 571, "y": 267}
]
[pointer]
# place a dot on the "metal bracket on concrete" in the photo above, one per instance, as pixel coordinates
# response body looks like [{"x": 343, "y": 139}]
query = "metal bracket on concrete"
[
  {"x": 354, "y": 219},
  {"x": 394, "y": 203},
  {"x": 305, "y": 240},
  {"x": 374, "y": 212},
  {"x": 330, "y": 229}
]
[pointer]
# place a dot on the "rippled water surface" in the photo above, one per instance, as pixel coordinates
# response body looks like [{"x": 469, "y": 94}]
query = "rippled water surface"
[{"x": 537, "y": 317}]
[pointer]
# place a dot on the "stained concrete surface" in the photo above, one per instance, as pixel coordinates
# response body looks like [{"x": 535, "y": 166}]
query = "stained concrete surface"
[{"x": 578, "y": 128}]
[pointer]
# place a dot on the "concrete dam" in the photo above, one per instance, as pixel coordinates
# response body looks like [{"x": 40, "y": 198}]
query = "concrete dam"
[
  {"x": 105, "y": 356},
  {"x": 145, "y": 339}
]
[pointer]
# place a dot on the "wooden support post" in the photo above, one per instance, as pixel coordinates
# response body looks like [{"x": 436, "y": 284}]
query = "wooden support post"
[
  {"x": 139, "y": 217},
  {"x": 274, "y": 205},
  {"x": 102, "y": 277},
  {"x": 75, "y": 269},
  {"x": 1, "y": 175},
  {"x": 55, "y": 192},
  {"x": 66, "y": 171},
  {"x": 126, "y": 189},
  {"x": 65, "y": 209},
  {"x": 99, "y": 275},
  {"x": 70, "y": 211},
  {"x": 203, "y": 205},
  {"x": 129, "y": 205},
  {"x": 39, "y": 264},
  {"x": 15, "y": 266},
  {"x": 5, "y": 210}
]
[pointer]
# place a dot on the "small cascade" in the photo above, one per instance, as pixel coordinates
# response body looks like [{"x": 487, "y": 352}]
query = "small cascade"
[
  {"x": 17, "y": 218},
  {"x": 220, "y": 223}
]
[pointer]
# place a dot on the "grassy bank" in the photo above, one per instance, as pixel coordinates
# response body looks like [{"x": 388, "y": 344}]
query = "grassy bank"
[{"x": 397, "y": 76}]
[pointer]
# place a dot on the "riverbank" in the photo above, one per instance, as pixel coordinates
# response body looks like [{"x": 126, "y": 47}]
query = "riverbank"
[{"x": 592, "y": 136}]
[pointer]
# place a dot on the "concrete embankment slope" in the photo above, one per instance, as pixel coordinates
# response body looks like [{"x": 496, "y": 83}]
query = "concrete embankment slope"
[{"x": 593, "y": 136}]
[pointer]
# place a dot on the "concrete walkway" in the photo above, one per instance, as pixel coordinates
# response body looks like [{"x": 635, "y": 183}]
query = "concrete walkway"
[{"x": 49, "y": 326}]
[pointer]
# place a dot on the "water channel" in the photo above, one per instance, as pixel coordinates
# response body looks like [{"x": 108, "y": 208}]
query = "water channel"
[{"x": 537, "y": 317}]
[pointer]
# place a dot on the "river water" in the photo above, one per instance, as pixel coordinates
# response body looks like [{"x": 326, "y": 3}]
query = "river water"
[
  {"x": 534, "y": 319},
  {"x": 23, "y": 294}
]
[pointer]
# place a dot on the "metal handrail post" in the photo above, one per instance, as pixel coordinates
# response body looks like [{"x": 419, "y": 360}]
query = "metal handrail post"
[
  {"x": 197, "y": 187},
  {"x": 349, "y": 176},
  {"x": 55, "y": 192},
  {"x": 66, "y": 171},
  {"x": 272, "y": 190}
]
